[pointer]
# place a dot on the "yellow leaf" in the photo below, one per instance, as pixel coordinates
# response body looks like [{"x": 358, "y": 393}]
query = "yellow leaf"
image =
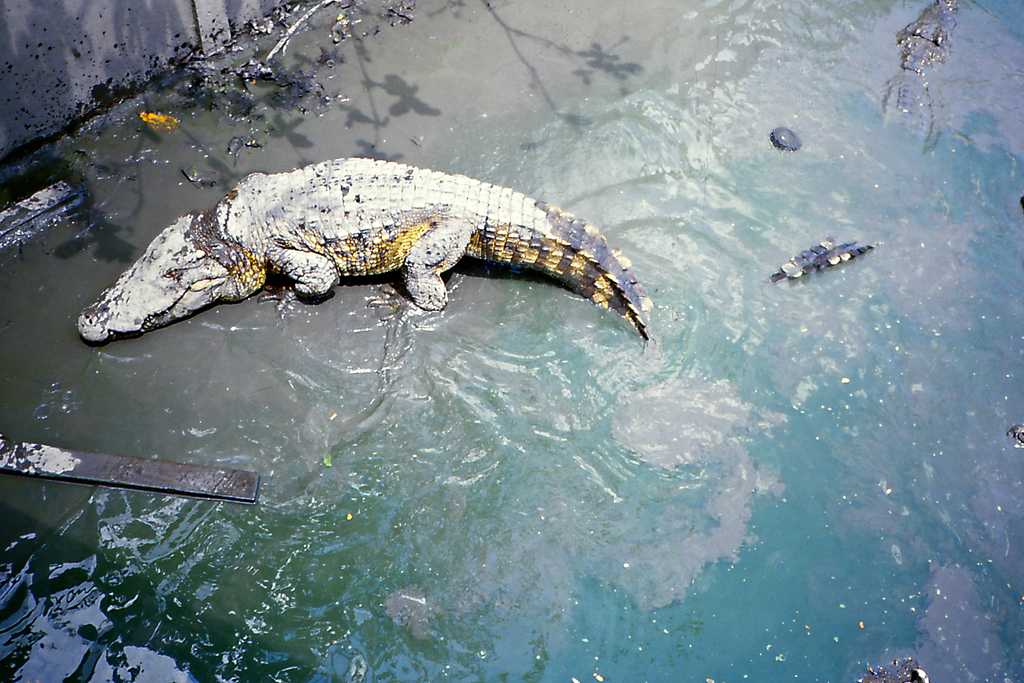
[
  {"x": 348, "y": 516},
  {"x": 163, "y": 123}
]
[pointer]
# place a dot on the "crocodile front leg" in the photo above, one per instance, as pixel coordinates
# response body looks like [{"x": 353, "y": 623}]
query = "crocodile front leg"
[
  {"x": 436, "y": 251},
  {"x": 314, "y": 275}
]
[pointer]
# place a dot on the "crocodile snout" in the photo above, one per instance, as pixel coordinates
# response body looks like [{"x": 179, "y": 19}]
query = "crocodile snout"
[{"x": 92, "y": 324}]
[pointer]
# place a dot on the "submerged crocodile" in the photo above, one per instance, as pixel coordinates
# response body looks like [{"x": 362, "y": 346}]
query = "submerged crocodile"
[
  {"x": 825, "y": 254},
  {"x": 352, "y": 217},
  {"x": 923, "y": 43}
]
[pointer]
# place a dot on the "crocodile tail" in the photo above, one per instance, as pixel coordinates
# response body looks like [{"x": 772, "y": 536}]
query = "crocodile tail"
[{"x": 571, "y": 251}]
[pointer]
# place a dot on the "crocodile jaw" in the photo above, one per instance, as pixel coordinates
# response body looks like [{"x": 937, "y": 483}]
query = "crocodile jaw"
[{"x": 173, "y": 279}]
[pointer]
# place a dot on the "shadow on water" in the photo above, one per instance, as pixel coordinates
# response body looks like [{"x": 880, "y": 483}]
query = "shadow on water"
[
  {"x": 598, "y": 58},
  {"x": 595, "y": 59},
  {"x": 453, "y": 7},
  {"x": 406, "y": 101},
  {"x": 280, "y": 128},
  {"x": 405, "y": 93},
  {"x": 101, "y": 237},
  {"x": 101, "y": 234}
]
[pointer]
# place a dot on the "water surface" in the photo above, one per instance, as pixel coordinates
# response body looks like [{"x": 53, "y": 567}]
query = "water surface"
[{"x": 794, "y": 480}]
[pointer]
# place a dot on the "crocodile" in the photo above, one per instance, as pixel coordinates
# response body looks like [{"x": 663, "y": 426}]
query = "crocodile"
[
  {"x": 825, "y": 254},
  {"x": 923, "y": 43},
  {"x": 355, "y": 217}
]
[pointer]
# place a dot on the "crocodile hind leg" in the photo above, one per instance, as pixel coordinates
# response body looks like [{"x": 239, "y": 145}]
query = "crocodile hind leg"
[
  {"x": 436, "y": 251},
  {"x": 314, "y": 275}
]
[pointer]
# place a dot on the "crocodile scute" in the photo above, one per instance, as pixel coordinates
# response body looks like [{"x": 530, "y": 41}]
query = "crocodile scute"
[{"x": 353, "y": 217}]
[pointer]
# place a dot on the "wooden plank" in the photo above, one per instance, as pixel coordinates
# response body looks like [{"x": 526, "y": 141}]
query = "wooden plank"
[
  {"x": 160, "y": 476},
  {"x": 25, "y": 219}
]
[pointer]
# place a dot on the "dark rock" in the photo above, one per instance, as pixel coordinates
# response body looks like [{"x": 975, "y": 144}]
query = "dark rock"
[
  {"x": 1016, "y": 432},
  {"x": 785, "y": 139},
  {"x": 900, "y": 671}
]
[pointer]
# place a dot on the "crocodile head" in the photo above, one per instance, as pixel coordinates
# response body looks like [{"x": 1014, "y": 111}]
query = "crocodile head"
[{"x": 188, "y": 267}]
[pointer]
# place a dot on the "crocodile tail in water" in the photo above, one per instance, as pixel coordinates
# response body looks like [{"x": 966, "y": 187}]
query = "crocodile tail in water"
[{"x": 574, "y": 253}]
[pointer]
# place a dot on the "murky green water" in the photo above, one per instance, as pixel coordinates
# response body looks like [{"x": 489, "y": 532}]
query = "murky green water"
[{"x": 516, "y": 489}]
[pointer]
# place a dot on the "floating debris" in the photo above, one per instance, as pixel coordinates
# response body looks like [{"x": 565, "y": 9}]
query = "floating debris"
[
  {"x": 260, "y": 27},
  {"x": 161, "y": 123},
  {"x": 342, "y": 28},
  {"x": 357, "y": 669},
  {"x": 1016, "y": 432},
  {"x": 329, "y": 58},
  {"x": 239, "y": 142},
  {"x": 403, "y": 13},
  {"x": 410, "y": 608},
  {"x": 192, "y": 175},
  {"x": 26, "y": 219},
  {"x": 785, "y": 139},
  {"x": 902, "y": 671},
  {"x": 282, "y": 45},
  {"x": 825, "y": 254}
]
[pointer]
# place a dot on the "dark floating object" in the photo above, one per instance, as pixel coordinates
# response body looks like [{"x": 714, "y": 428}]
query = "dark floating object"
[
  {"x": 785, "y": 139},
  {"x": 159, "y": 476},
  {"x": 192, "y": 175},
  {"x": 1022, "y": 202},
  {"x": 1016, "y": 432},
  {"x": 902, "y": 671},
  {"x": 825, "y": 254}
]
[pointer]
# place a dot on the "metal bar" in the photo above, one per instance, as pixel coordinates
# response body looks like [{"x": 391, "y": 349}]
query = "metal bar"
[{"x": 160, "y": 476}]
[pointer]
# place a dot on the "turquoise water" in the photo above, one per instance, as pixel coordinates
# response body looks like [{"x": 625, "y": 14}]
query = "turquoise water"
[{"x": 792, "y": 481}]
